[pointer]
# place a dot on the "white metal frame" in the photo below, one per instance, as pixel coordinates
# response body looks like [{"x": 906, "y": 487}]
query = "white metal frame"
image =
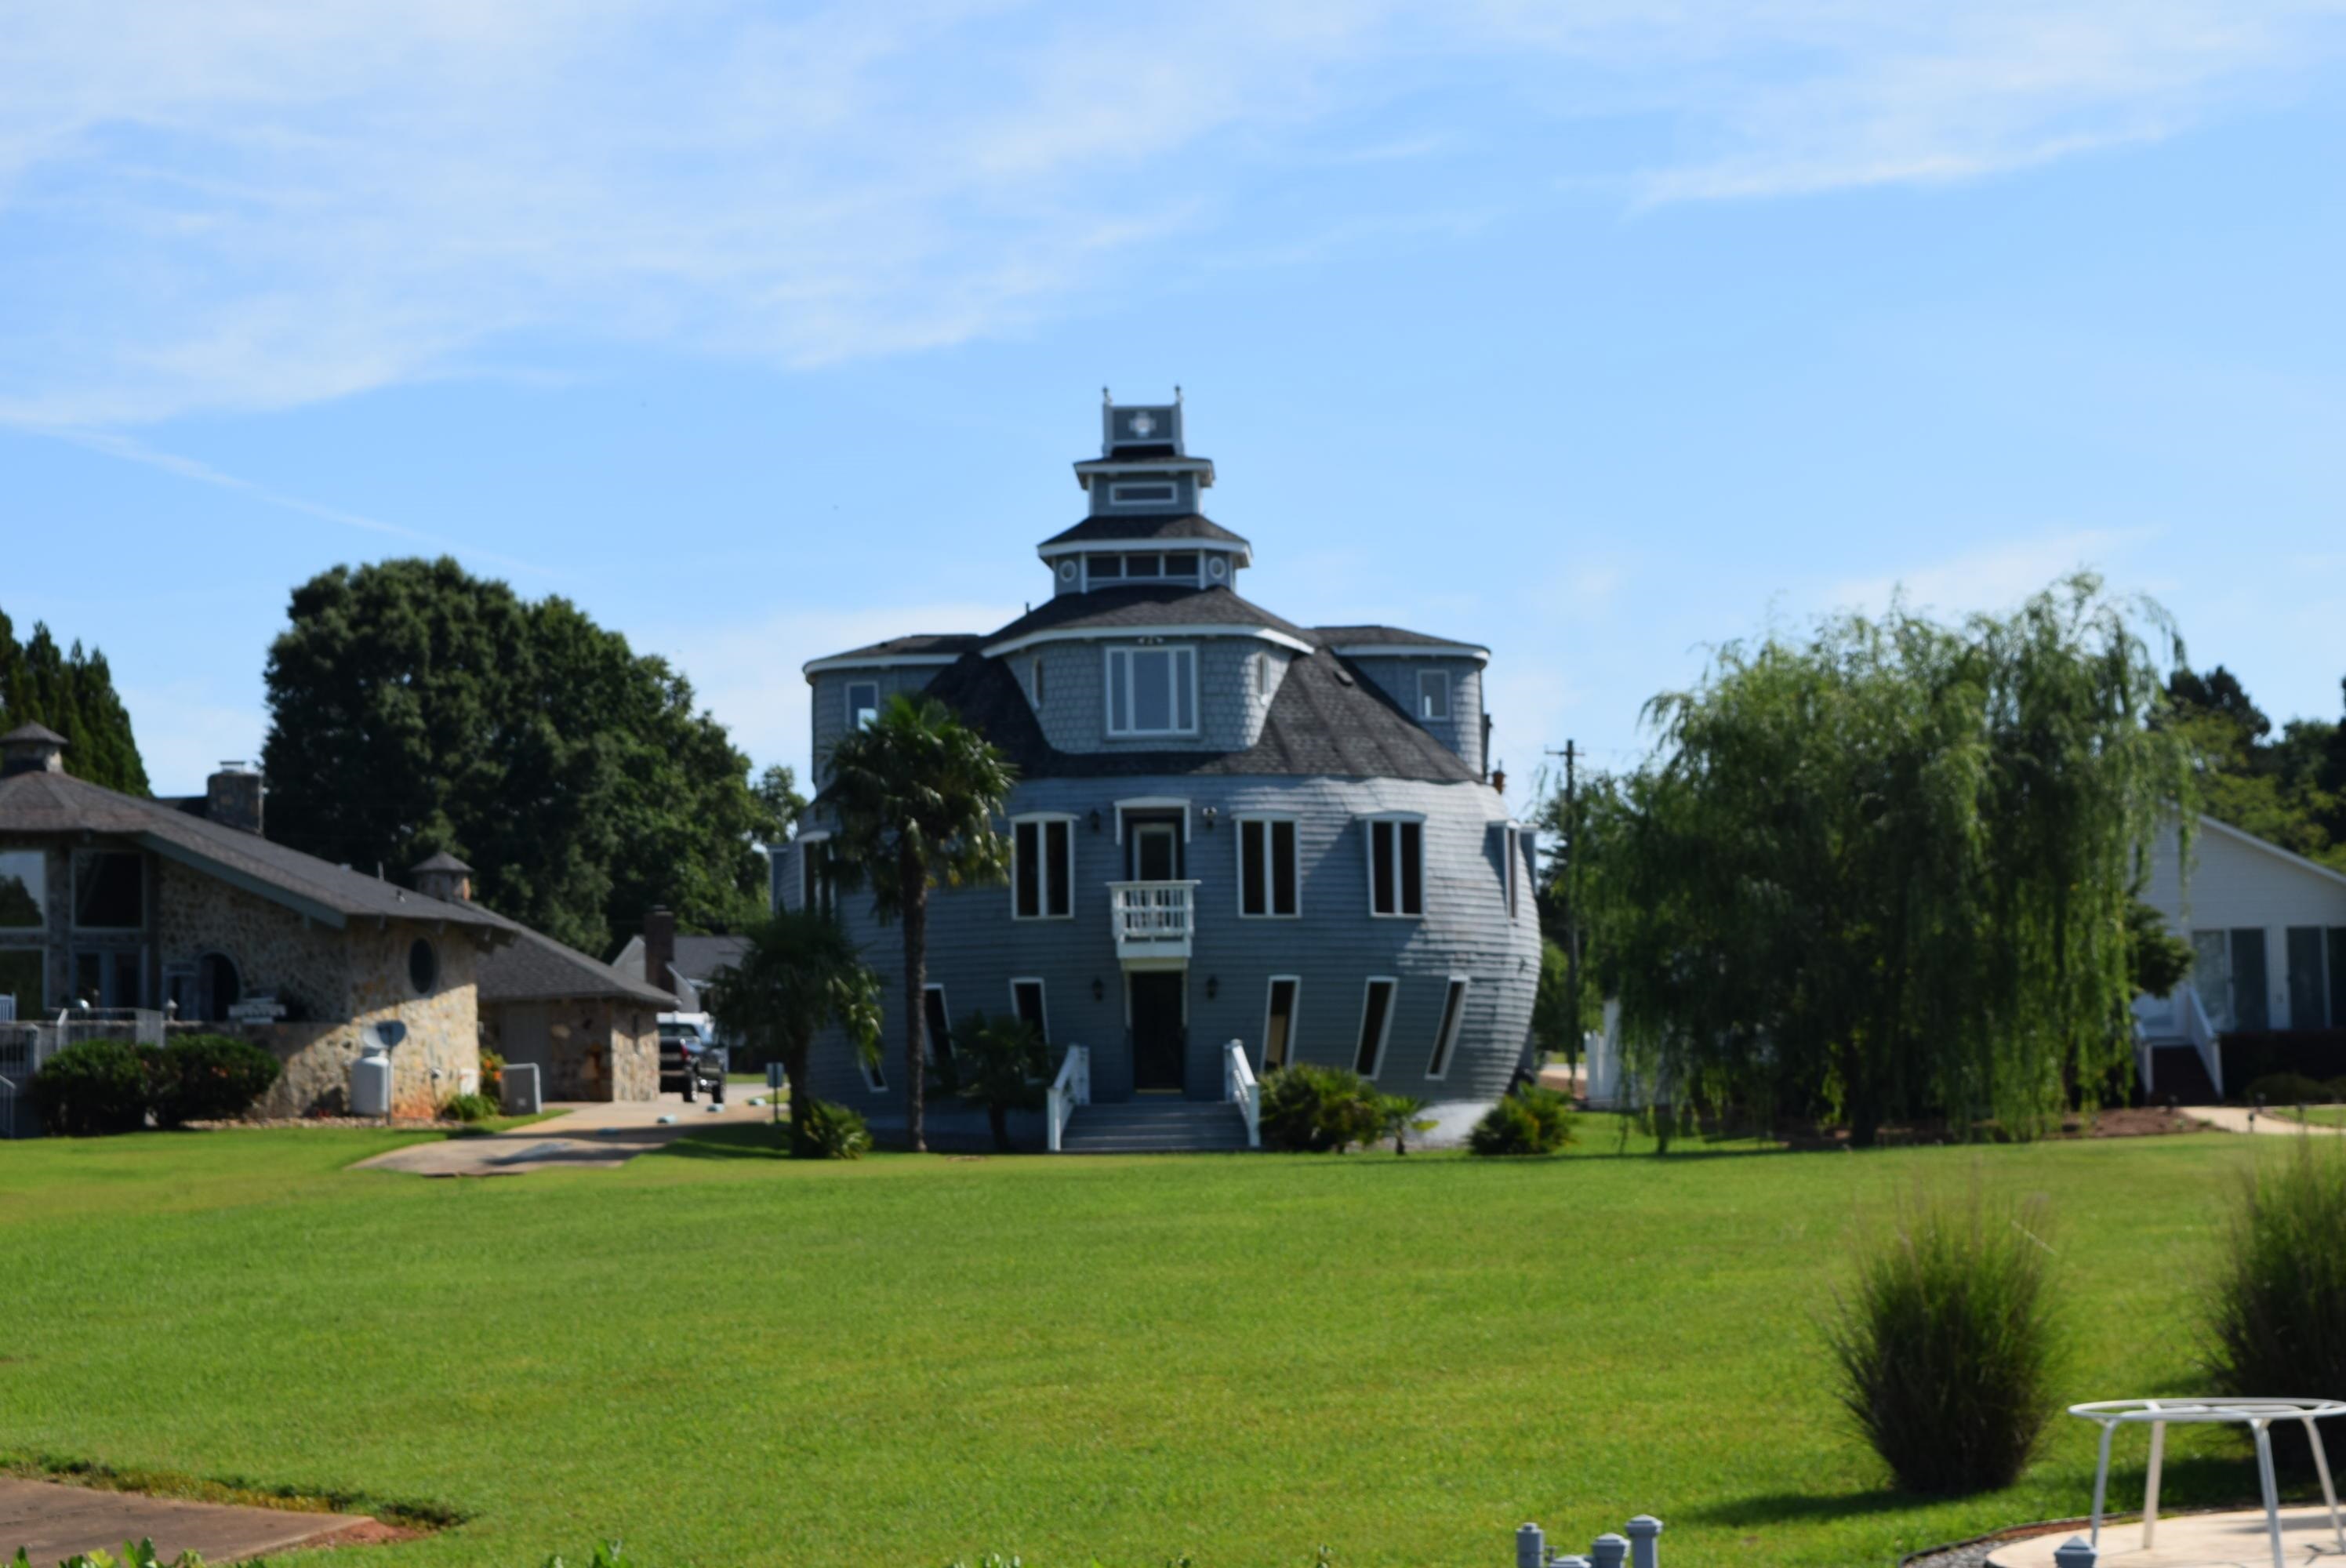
[
  {"x": 1423, "y": 690},
  {"x": 1241, "y": 1088},
  {"x": 848, "y": 694},
  {"x": 1369, "y": 848},
  {"x": 1043, "y": 881},
  {"x": 2256, "y": 1414},
  {"x": 1043, "y": 994},
  {"x": 1384, "y": 1030},
  {"x": 1270, "y": 863},
  {"x": 875, "y": 1073},
  {"x": 1448, "y": 1027},
  {"x": 1071, "y": 1087},
  {"x": 1176, "y": 654},
  {"x": 1169, "y": 486},
  {"x": 1294, "y": 1010},
  {"x": 1136, "y": 804}
]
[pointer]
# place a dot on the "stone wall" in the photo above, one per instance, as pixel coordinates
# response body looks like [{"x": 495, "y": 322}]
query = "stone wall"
[
  {"x": 586, "y": 1049},
  {"x": 277, "y": 953}
]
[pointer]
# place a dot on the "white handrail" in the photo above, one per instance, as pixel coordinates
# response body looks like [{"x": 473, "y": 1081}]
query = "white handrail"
[
  {"x": 1151, "y": 911},
  {"x": 1071, "y": 1088},
  {"x": 1241, "y": 1089},
  {"x": 2201, "y": 1033}
]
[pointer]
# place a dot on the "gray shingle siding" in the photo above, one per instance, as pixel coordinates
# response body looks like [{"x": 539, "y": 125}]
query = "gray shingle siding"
[
  {"x": 1463, "y": 731},
  {"x": 827, "y": 700},
  {"x": 1074, "y": 714},
  {"x": 1332, "y": 946}
]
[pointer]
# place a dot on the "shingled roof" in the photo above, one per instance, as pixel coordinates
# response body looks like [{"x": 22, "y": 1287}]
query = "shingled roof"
[
  {"x": 1160, "y": 525},
  {"x": 1389, "y": 636},
  {"x": 1154, "y": 605},
  {"x": 537, "y": 968},
  {"x": 331, "y": 894},
  {"x": 1324, "y": 720}
]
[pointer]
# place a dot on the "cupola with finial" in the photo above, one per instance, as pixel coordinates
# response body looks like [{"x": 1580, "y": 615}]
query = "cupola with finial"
[{"x": 1145, "y": 528}]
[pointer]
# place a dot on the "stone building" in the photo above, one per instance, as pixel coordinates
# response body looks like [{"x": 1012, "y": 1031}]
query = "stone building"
[{"x": 110, "y": 900}]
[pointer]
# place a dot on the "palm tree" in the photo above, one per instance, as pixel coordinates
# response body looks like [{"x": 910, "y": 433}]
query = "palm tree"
[
  {"x": 1003, "y": 1062},
  {"x": 1397, "y": 1118},
  {"x": 915, "y": 793},
  {"x": 798, "y": 972}
]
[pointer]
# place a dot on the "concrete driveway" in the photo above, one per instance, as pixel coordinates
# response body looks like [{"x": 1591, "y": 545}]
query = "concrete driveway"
[
  {"x": 2238, "y": 1119},
  {"x": 593, "y": 1137},
  {"x": 53, "y": 1522}
]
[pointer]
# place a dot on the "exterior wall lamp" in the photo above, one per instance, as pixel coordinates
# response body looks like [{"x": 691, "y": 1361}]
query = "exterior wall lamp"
[
  {"x": 1210, "y": 814},
  {"x": 1099, "y": 991}
]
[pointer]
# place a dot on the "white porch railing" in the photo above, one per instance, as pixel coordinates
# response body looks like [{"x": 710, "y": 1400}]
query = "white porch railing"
[
  {"x": 1071, "y": 1088},
  {"x": 2201, "y": 1034},
  {"x": 1241, "y": 1089},
  {"x": 1153, "y": 921}
]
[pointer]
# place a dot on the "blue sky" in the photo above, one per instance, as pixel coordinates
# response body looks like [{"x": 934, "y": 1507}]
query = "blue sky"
[{"x": 1597, "y": 333}]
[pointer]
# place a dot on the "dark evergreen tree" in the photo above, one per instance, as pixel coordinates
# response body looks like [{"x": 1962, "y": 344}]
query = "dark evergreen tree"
[
  {"x": 72, "y": 693},
  {"x": 414, "y": 708}
]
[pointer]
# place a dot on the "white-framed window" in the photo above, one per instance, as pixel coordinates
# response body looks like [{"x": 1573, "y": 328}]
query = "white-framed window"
[
  {"x": 24, "y": 890},
  {"x": 815, "y": 874},
  {"x": 1103, "y": 569},
  {"x": 1152, "y": 691},
  {"x": 862, "y": 703},
  {"x": 1218, "y": 568},
  {"x": 1262, "y": 677},
  {"x": 1376, "y": 1023},
  {"x": 110, "y": 976},
  {"x": 1027, "y": 1003},
  {"x": 110, "y": 890},
  {"x": 1434, "y": 693},
  {"x": 1396, "y": 866},
  {"x": 1042, "y": 867},
  {"x": 874, "y": 1069},
  {"x": 1445, "y": 1035},
  {"x": 1034, "y": 688},
  {"x": 1269, "y": 872},
  {"x": 937, "y": 1021},
  {"x": 1067, "y": 571},
  {"x": 1279, "y": 1020},
  {"x": 1142, "y": 492},
  {"x": 1511, "y": 874}
]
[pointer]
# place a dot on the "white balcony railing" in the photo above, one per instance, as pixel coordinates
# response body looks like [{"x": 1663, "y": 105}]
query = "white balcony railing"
[{"x": 1153, "y": 921}]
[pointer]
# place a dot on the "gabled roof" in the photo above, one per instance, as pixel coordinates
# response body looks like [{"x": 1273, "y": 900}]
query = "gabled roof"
[
  {"x": 2241, "y": 835},
  {"x": 938, "y": 649},
  {"x": 331, "y": 894},
  {"x": 1134, "y": 609},
  {"x": 1324, "y": 720},
  {"x": 1164, "y": 526},
  {"x": 537, "y": 968}
]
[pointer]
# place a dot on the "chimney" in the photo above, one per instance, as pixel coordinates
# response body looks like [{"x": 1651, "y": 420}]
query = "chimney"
[
  {"x": 31, "y": 749},
  {"x": 232, "y": 797},
  {"x": 443, "y": 876},
  {"x": 660, "y": 947}
]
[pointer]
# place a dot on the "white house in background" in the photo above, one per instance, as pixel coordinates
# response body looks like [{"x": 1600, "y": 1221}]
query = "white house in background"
[{"x": 2268, "y": 929}]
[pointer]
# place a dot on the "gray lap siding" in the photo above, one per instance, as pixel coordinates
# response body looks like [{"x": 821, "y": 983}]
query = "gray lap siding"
[{"x": 1332, "y": 947}]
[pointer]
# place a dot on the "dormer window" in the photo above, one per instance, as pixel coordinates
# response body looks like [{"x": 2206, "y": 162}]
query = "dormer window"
[
  {"x": 1152, "y": 691},
  {"x": 1142, "y": 492},
  {"x": 862, "y": 703},
  {"x": 1434, "y": 693}
]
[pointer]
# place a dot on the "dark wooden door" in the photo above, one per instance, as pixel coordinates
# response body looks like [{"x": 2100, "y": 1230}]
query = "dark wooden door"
[
  {"x": 1158, "y": 1031},
  {"x": 2250, "y": 1011}
]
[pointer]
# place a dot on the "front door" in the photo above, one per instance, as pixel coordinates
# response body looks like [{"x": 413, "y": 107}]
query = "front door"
[
  {"x": 1156, "y": 852},
  {"x": 1159, "y": 1030}
]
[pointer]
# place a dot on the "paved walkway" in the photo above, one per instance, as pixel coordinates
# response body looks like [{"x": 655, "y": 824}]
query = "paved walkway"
[
  {"x": 2238, "y": 1119},
  {"x": 592, "y": 1136},
  {"x": 2194, "y": 1541},
  {"x": 53, "y": 1522}
]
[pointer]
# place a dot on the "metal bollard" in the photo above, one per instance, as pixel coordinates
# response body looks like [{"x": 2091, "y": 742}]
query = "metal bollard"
[
  {"x": 1644, "y": 1532},
  {"x": 1608, "y": 1551},
  {"x": 1531, "y": 1547},
  {"x": 2074, "y": 1552}
]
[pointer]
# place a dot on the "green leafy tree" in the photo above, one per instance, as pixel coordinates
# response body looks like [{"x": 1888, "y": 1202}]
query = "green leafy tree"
[
  {"x": 1002, "y": 1062},
  {"x": 2289, "y": 790},
  {"x": 1889, "y": 868},
  {"x": 799, "y": 973},
  {"x": 71, "y": 692},
  {"x": 1556, "y": 1022},
  {"x": 414, "y": 708},
  {"x": 915, "y": 794}
]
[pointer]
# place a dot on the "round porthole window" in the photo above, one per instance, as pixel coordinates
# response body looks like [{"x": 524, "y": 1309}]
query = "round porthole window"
[
  {"x": 422, "y": 965},
  {"x": 1218, "y": 568},
  {"x": 1067, "y": 571}
]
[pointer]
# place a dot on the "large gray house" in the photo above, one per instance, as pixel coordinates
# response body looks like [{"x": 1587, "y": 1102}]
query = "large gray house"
[{"x": 1228, "y": 826}]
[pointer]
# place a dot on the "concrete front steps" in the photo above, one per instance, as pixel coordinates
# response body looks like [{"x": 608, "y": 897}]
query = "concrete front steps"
[{"x": 1154, "y": 1126}]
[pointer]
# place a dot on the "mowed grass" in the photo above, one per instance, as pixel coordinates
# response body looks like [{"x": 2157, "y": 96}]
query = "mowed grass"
[{"x": 722, "y": 1356}]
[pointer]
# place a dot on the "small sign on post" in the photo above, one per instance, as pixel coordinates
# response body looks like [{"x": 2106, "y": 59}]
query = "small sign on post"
[
  {"x": 256, "y": 1010},
  {"x": 775, "y": 1079}
]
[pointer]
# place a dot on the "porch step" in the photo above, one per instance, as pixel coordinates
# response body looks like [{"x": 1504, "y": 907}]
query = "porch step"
[
  {"x": 2176, "y": 1070},
  {"x": 1154, "y": 1126}
]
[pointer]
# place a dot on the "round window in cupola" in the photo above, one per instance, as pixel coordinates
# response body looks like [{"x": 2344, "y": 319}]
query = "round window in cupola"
[
  {"x": 1218, "y": 568},
  {"x": 1067, "y": 571}
]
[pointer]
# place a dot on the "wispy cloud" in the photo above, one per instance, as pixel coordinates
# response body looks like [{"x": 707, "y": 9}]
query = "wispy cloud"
[
  {"x": 246, "y": 205},
  {"x": 1994, "y": 577}
]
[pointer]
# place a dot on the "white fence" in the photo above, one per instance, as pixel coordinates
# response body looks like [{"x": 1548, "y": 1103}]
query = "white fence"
[{"x": 24, "y": 1047}]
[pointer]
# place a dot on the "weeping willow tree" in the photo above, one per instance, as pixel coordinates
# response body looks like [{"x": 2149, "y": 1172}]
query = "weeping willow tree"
[{"x": 1888, "y": 868}]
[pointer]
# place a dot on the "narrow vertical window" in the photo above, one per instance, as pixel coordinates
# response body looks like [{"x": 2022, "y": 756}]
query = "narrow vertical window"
[
  {"x": 934, "y": 1014},
  {"x": 1185, "y": 690},
  {"x": 1380, "y": 869},
  {"x": 1412, "y": 868},
  {"x": 1042, "y": 868},
  {"x": 1254, "y": 896},
  {"x": 1262, "y": 677},
  {"x": 1278, "y": 1023},
  {"x": 1432, "y": 694},
  {"x": 1286, "y": 875},
  {"x": 1119, "y": 699},
  {"x": 1026, "y": 1001},
  {"x": 814, "y": 874},
  {"x": 1376, "y": 1018},
  {"x": 1058, "y": 865},
  {"x": 1512, "y": 844},
  {"x": 1027, "y": 852},
  {"x": 862, "y": 703},
  {"x": 1396, "y": 866},
  {"x": 1267, "y": 870},
  {"x": 1035, "y": 682},
  {"x": 1445, "y": 1037}
]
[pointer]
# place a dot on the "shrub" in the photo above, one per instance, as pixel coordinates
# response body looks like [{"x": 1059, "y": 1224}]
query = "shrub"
[
  {"x": 1531, "y": 1121},
  {"x": 2288, "y": 1089},
  {"x": 493, "y": 1076},
  {"x": 1316, "y": 1109},
  {"x": 832, "y": 1131},
  {"x": 2275, "y": 1312},
  {"x": 93, "y": 1087},
  {"x": 1003, "y": 1063},
  {"x": 141, "y": 1555},
  {"x": 1946, "y": 1346},
  {"x": 467, "y": 1108},
  {"x": 208, "y": 1078}
]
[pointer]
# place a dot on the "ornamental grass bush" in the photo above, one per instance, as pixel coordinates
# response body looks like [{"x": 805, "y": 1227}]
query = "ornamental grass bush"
[
  {"x": 832, "y": 1131},
  {"x": 1946, "y": 1344},
  {"x": 1315, "y": 1110},
  {"x": 2274, "y": 1314},
  {"x": 1530, "y": 1120}
]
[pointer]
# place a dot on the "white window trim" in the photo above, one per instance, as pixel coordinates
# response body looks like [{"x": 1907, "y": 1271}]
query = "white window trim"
[
  {"x": 1270, "y": 886},
  {"x": 1035, "y": 682},
  {"x": 73, "y": 894},
  {"x": 1067, "y": 571},
  {"x": 1447, "y": 684},
  {"x": 1511, "y": 845},
  {"x": 1042, "y": 880},
  {"x": 1384, "y": 1034},
  {"x": 1413, "y": 650},
  {"x": 1137, "y": 804},
  {"x": 1368, "y": 862},
  {"x": 876, "y": 1074},
  {"x": 1107, "y": 679},
  {"x": 1445, "y": 1050},
  {"x": 1125, "y": 636},
  {"x": 807, "y": 842},
  {"x": 1294, "y": 1010},
  {"x": 813, "y": 667},
  {"x": 944, "y": 1006},
  {"x": 1170, "y": 484},
  {"x": 40, "y": 859},
  {"x": 1037, "y": 982},
  {"x": 847, "y": 698}
]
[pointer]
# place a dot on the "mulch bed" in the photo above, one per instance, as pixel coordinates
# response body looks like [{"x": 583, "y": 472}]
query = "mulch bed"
[
  {"x": 1973, "y": 1552},
  {"x": 397, "y": 1125},
  {"x": 365, "y": 1532},
  {"x": 2120, "y": 1122}
]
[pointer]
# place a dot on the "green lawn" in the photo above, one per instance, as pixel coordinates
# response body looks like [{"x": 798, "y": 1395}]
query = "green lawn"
[
  {"x": 726, "y": 1357},
  {"x": 2320, "y": 1116}
]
